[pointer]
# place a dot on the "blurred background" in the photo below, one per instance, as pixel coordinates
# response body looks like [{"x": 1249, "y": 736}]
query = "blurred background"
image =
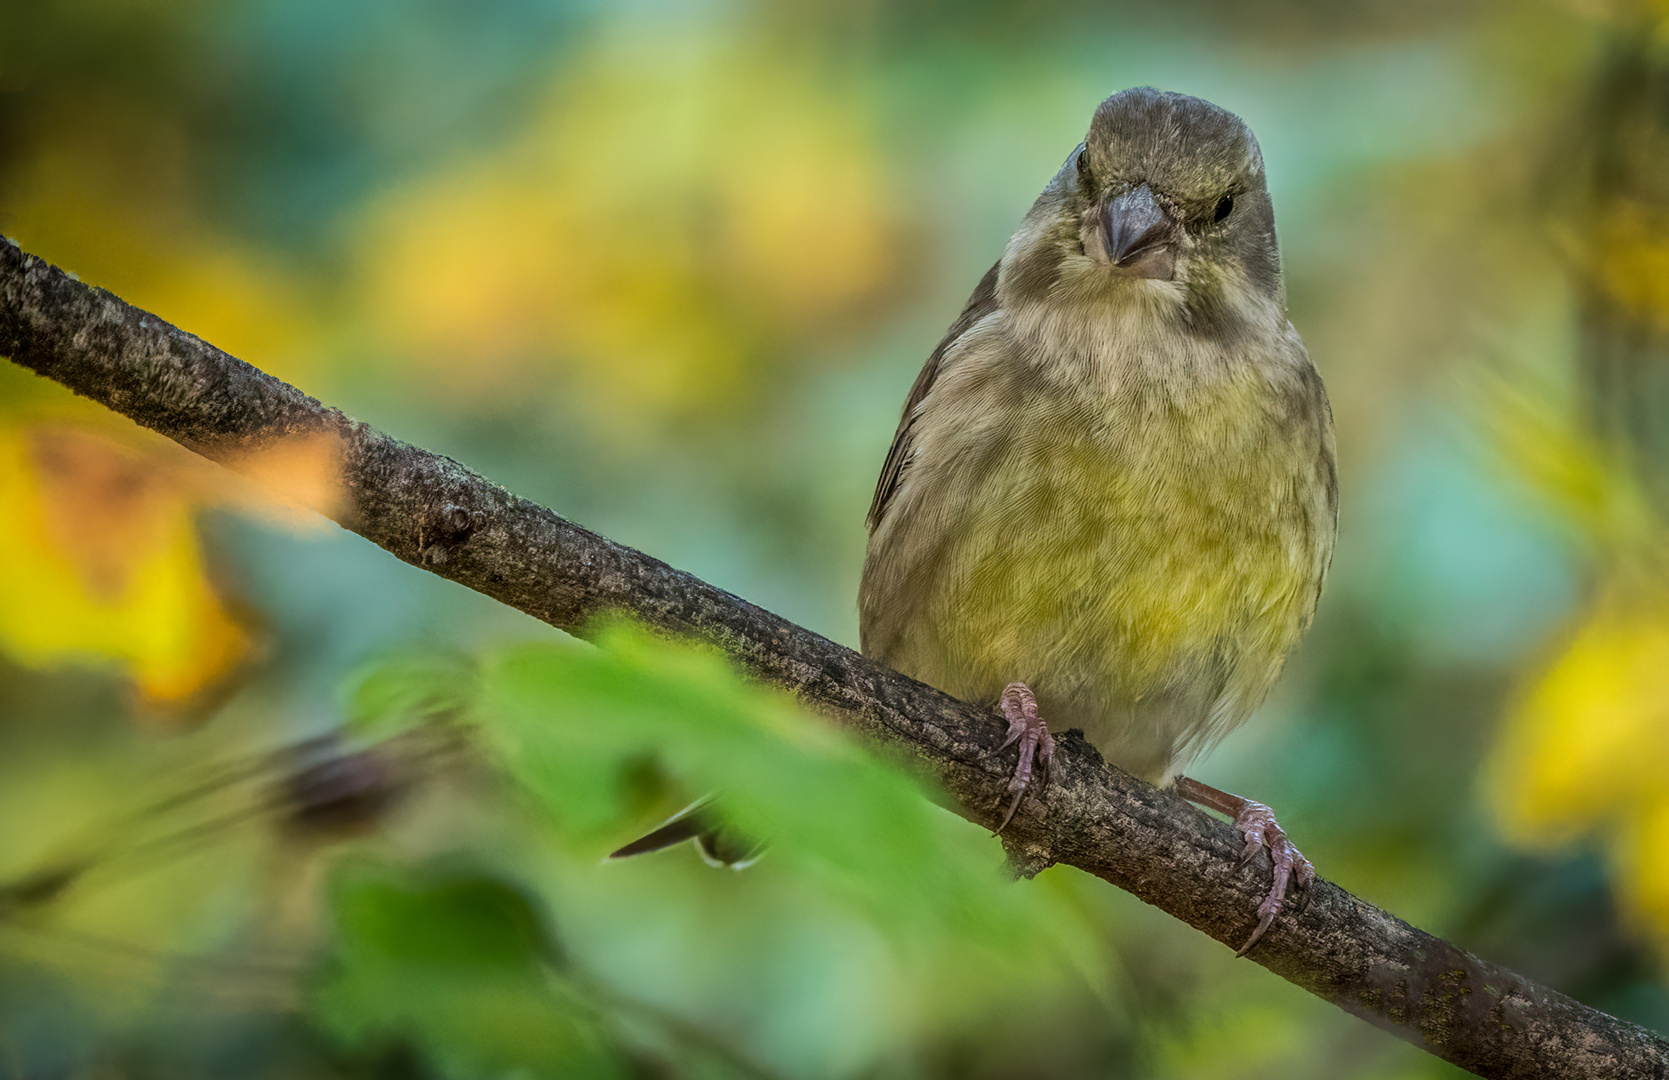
[{"x": 670, "y": 270}]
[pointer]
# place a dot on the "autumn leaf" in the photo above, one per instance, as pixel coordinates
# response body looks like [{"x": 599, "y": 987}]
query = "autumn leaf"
[
  {"x": 1583, "y": 751},
  {"x": 102, "y": 563},
  {"x": 1588, "y": 745}
]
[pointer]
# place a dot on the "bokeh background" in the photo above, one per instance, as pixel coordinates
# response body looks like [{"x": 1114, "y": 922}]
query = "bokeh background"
[{"x": 670, "y": 269}]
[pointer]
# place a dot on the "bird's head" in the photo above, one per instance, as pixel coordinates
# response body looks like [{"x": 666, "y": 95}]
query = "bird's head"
[{"x": 1166, "y": 196}]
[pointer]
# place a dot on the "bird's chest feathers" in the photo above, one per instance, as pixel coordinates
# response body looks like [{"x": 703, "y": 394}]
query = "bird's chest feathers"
[
  {"x": 1119, "y": 418},
  {"x": 1138, "y": 466},
  {"x": 1149, "y": 484}
]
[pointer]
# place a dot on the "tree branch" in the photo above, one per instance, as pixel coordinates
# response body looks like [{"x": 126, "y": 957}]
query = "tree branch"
[{"x": 438, "y": 515}]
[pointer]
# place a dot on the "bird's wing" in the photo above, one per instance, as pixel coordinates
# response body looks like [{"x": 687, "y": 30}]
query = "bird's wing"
[{"x": 982, "y": 303}]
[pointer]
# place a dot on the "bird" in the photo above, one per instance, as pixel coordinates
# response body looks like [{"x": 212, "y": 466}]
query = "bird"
[{"x": 1111, "y": 500}]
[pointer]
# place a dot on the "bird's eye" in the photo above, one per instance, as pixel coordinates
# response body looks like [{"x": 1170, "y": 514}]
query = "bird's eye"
[
  {"x": 1083, "y": 164},
  {"x": 1225, "y": 206}
]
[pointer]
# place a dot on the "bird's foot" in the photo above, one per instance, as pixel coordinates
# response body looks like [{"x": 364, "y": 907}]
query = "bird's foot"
[
  {"x": 1037, "y": 746},
  {"x": 1258, "y": 826}
]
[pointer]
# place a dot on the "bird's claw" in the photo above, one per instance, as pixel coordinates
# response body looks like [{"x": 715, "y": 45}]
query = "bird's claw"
[
  {"x": 1037, "y": 746},
  {"x": 1257, "y": 824}
]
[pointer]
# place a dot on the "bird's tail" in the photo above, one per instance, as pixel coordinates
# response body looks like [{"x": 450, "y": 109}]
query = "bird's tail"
[{"x": 718, "y": 845}]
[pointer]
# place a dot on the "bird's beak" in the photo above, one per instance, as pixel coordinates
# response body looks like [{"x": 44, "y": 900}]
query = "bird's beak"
[{"x": 1139, "y": 236}]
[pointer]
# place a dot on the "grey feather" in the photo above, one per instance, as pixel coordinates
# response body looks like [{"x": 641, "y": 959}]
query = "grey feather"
[{"x": 979, "y": 305}]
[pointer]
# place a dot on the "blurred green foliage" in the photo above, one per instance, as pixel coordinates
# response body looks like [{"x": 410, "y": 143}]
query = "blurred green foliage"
[
  {"x": 457, "y": 969},
  {"x": 860, "y": 865},
  {"x": 586, "y": 733},
  {"x": 670, "y": 269}
]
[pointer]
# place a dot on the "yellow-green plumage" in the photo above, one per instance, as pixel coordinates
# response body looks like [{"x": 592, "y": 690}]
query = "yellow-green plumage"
[{"x": 1115, "y": 489}]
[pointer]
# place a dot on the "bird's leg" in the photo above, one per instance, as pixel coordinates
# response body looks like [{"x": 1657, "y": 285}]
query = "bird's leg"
[
  {"x": 1257, "y": 824},
  {"x": 1037, "y": 746}
]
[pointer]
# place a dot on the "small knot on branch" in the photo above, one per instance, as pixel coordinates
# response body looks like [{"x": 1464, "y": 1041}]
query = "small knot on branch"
[{"x": 444, "y": 530}]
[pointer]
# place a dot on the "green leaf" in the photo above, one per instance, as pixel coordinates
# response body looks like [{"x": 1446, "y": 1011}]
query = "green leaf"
[
  {"x": 404, "y": 690},
  {"x": 461, "y": 968},
  {"x": 578, "y": 728}
]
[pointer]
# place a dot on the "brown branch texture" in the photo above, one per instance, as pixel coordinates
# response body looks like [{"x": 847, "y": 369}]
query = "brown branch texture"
[{"x": 436, "y": 514}]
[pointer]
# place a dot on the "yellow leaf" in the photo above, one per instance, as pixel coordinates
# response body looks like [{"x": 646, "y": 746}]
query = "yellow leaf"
[
  {"x": 1641, "y": 852},
  {"x": 1589, "y": 743},
  {"x": 101, "y": 563}
]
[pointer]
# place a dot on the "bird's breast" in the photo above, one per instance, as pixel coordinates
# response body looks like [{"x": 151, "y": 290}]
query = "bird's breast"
[{"x": 1105, "y": 536}]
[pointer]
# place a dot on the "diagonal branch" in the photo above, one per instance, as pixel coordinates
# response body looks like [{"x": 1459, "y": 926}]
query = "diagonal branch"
[{"x": 438, "y": 515}]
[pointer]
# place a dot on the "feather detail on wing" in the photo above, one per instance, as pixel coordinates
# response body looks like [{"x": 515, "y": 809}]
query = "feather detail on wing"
[{"x": 982, "y": 303}]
